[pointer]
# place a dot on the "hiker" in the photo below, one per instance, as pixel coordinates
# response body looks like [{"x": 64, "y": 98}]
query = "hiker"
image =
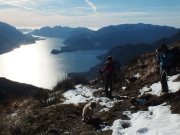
[
  {"x": 165, "y": 61},
  {"x": 109, "y": 71}
]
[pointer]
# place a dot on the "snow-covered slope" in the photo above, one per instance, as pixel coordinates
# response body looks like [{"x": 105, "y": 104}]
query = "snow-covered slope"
[{"x": 158, "y": 120}]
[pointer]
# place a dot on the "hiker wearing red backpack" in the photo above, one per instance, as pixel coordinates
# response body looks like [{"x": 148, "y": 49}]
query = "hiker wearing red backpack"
[{"x": 109, "y": 71}]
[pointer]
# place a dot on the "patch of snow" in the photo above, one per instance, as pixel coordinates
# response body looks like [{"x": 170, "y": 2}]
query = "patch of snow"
[
  {"x": 127, "y": 113},
  {"x": 132, "y": 107},
  {"x": 172, "y": 78},
  {"x": 99, "y": 89},
  {"x": 144, "y": 90},
  {"x": 14, "y": 114},
  {"x": 104, "y": 109},
  {"x": 155, "y": 89},
  {"x": 124, "y": 87},
  {"x": 158, "y": 120},
  {"x": 83, "y": 94},
  {"x": 137, "y": 75},
  {"x": 117, "y": 127}
]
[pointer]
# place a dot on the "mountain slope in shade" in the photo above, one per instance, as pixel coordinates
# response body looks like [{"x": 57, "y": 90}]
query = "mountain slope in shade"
[
  {"x": 111, "y": 36},
  {"x": 12, "y": 90},
  {"x": 169, "y": 40},
  {"x": 125, "y": 53},
  {"x": 11, "y": 38}
]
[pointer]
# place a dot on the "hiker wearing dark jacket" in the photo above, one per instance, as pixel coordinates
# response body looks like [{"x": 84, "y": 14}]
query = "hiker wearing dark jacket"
[
  {"x": 109, "y": 70},
  {"x": 165, "y": 61}
]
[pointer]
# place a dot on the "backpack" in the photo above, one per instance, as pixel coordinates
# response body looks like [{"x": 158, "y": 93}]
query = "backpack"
[
  {"x": 176, "y": 56},
  {"x": 110, "y": 66},
  {"x": 117, "y": 66}
]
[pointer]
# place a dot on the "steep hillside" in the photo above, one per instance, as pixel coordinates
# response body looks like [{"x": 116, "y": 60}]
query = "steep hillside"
[
  {"x": 60, "y": 111},
  {"x": 11, "y": 90},
  {"x": 145, "y": 66},
  {"x": 11, "y": 38},
  {"x": 169, "y": 40},
  {"x": 126, "y": 53},
  {"x": 111, "y": 36}
]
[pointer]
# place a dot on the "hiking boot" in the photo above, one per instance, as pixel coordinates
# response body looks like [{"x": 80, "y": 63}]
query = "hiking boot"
[
  {"x": 165, "y": 91},
  {"x": 107, "y": 95},
  {"x": 110, "y": 96}
]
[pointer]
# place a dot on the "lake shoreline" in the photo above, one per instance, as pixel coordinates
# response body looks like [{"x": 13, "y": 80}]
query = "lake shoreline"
[{"x": 34, "y": 64}]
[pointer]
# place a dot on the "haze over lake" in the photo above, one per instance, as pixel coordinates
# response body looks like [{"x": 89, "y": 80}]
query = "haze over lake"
[{"x": 34, "y": 64}]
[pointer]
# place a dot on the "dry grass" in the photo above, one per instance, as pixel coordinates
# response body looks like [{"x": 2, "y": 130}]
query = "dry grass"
[{"x": 69, "y": 83}]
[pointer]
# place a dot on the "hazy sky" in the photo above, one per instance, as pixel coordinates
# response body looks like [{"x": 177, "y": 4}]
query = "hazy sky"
[{"x": 93, "y": 14}]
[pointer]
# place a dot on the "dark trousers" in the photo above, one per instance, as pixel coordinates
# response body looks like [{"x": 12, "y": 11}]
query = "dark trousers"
[
  {"x": 109, "y": 81},
  {"x": 164, "y": 72}
]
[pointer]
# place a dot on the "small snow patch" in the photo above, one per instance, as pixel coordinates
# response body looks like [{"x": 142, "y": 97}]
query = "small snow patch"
[
  {"x": 81, "y": 94},
  {"x": 127, "y": 113},
  {"x": 174, "y": 77},
  {"x": 137, "y": 75},
  {"x": 155, "y": 89},
  {"x": 14, "y": 114}
]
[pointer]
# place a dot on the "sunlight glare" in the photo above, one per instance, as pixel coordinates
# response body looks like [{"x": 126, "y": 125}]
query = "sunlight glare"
[{"x": 25, "y": 62}]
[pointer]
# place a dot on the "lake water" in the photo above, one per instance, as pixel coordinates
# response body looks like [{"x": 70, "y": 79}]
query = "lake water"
[{"x": 34, "y": 64}]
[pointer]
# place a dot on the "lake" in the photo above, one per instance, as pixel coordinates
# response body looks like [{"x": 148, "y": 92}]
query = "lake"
[{"x": 34, "y": 64}]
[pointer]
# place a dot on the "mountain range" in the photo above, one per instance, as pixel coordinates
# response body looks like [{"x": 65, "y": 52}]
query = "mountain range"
[
  {"x": 124, "y": 41},
  {"x": 107, "y": 37},
  {"x": 85, "y": 39},
  {"x": 60, "y": 32},
  {"x": 11, "y": 38},
  {"x": 111, "y": 36}
]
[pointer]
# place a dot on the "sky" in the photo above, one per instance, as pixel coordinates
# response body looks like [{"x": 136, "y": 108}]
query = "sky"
[{"x": 93, "y": 14}]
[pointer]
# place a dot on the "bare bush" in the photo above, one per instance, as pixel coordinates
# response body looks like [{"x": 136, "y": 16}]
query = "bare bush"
[
  {"x": 47, "y": 98},
  {"x": 69, "y": 83},
  {"x": 64, "y": 85},
  {"x": 79, "y": 79}
]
